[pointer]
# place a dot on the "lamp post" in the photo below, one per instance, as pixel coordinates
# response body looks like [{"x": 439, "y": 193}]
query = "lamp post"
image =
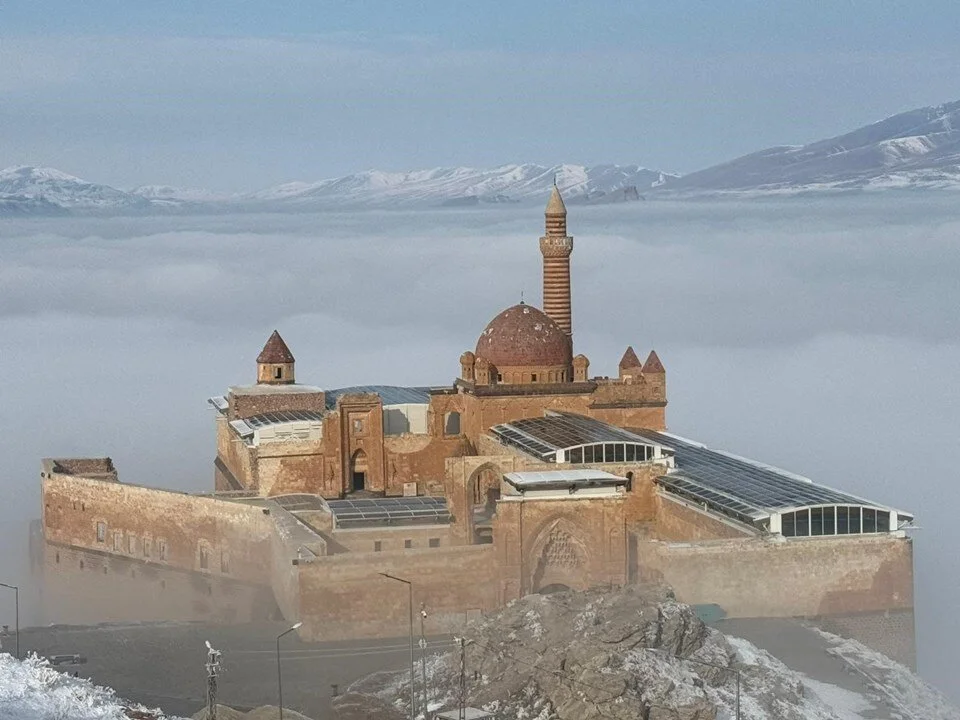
[
  {"x": 16, "y": 600},
  {"x": 412, "y": 671},
  {"x": 279, "y": 676}
]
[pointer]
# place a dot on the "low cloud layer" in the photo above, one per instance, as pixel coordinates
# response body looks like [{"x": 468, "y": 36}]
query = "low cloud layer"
[{"x": 818, "y": 335}]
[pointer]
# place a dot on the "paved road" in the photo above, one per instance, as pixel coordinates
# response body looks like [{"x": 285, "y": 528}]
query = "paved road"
[{"x": 162, "y": 665}]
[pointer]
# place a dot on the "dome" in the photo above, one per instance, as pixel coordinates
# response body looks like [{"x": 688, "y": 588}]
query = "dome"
[{"x": 524, "y": 336}]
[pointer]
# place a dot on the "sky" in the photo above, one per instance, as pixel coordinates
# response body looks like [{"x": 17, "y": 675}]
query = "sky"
[
  {"x": 244, "y": 95},
  {"x": 819, "y": 335}
]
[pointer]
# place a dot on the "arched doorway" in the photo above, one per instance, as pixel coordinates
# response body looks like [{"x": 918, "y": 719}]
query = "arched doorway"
[
  {"x": 484, "y": 488},
  {"x": 358, "y": 470}
]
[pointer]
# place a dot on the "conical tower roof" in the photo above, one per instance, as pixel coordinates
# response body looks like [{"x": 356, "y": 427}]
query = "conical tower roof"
[
  {"x": 275, "y": 351},
  {"x": 555, "y": 204},
  {"x": 630, "y": 359},
  {"x": 653, "y": 364}
]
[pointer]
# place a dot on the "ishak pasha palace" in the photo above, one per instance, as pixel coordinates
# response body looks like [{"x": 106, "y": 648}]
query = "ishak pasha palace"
[{"x": 525, "y": 474}]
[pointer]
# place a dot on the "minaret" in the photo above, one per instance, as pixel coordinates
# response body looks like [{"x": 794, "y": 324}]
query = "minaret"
[{"x": 556, "y": 247}]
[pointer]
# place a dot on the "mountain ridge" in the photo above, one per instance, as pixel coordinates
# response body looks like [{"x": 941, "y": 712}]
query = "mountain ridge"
[{"x": 916, "y": 149}]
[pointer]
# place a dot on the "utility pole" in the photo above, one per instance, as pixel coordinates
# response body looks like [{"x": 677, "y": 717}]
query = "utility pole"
[
  {"x": 16, "y": 600},
  {"x": 423, "y": 661},
  {"x": 413, "y": 688},
  {"x": 462, "y": 699},
  {"x": 213, "y": 672}
]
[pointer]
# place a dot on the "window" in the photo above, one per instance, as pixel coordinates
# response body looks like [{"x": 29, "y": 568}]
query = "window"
[
  {"x": 204, "y": 558},
  {"x": 377, "y": 546},
  {"x": 101, "y": 532},
  {"x": 803, "y": 523},
  {"x": 224, "y": 562},
  {"x": 883, "y": 521},
  {"x": 117, "y": 540},
  {"x": 828, "y": 522},
  {"x": 358, "y": 425},
  {"x": 408, "y": 544},
  {"x": 434, "y": 542},
  {"x": 131, "y": 544},
  {"x": 788, "y": 526},
  {"x": 147, "y": 546},
  {"x": 575, "y": 456},
  {"x": 162, "y": 549},
  {"x": 451, "y": 423},
  {"x": 278, "y": 373},
  {"x": 869, "y": 520},
  {"x": 58, "y": 558},
  {"x": 843, "y": 520},
  {"x": 854, "y": 520},
  {"x": 631, "y": 453},
  {"x": 499, "y": 377},
  {"x": 533, "y": 377},
  {"x": 816, "y": 521},
  {"x": 618, "y": 452}
]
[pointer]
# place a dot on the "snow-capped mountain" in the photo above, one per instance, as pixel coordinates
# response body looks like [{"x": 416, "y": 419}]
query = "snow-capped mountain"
[
  {"x": 44, "y": 187},
  {"x": 40, "y": 190},
  {"x": 506, "y": 183},
  {"x": 174, "y": 194},
  {"x": 918, "y": 148}
]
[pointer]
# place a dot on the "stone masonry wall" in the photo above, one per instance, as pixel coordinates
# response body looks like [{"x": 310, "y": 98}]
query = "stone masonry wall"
[
  {"x": 787, "y": 578},
  {"x": 343, "y": 596},
  {"x": 682, "y": 522},
  {"x": 85, "y": 587},
  {"x": 167, "y": 528}
]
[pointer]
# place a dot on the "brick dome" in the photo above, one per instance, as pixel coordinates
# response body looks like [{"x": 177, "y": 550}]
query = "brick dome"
[{"x": 524, "y": 336}]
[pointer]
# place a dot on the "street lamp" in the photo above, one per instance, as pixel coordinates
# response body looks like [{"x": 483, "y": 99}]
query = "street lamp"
[
  {"x": 412, "y": 675},
  {"x": 279, "y": 676},
  {"x": 16, "y": 600},
  {"x": 709, "y": 664}
]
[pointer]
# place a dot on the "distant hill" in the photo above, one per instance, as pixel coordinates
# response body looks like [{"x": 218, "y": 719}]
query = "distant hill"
[
  {"x": 919, "y": 148},
  {"x": 45, "y": 191},
  {"x": 461, "y": 186},
  {"x": 915, "y": 149}
]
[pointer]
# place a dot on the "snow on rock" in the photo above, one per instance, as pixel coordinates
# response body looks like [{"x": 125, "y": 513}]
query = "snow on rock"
[
  {"x": 636, "y": 653},
  {"x": 896, "y": 684},
  {"x": 32, "y": 690}
]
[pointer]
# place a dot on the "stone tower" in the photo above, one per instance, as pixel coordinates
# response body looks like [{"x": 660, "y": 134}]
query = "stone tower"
[
  {"x": 275, "y": 363},
  {"x": 556, "y": 247}
]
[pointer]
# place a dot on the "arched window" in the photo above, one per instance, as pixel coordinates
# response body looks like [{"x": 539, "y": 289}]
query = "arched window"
[{"x": 451, "y": 423}]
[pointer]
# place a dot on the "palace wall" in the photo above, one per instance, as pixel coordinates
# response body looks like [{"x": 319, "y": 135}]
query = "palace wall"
[
  {"x": 343, "y": 596},
  {"x": 858, "y": 585},
  {"x": 682, "y": 521},
  {"x": 85, "y": 587},
  {"x": 146, "y": 544}
]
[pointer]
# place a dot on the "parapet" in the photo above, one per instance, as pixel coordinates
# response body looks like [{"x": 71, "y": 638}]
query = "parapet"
[{"x": 94, "y": 468}]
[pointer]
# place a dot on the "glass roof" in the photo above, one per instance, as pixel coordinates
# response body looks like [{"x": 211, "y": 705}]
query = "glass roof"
[
  {"x": 742, "y": 488},
  {"x": 389, "y": 394},
  {"x": 368, "y": 512},
  {"x": 247, "y": 426},
  {"x": 544, "y": 436}
]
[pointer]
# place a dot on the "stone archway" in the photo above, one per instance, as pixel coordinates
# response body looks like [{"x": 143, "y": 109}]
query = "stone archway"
[
  {"x": 483, "y": 488},
  {"x": 560, "y": 559}
]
